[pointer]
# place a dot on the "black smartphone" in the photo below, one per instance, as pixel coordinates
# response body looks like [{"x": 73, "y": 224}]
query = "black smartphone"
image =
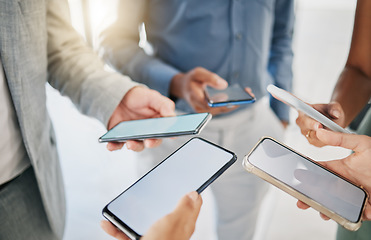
[
  {"x": 192, "y": 167},
  {"x": 308, "y": 181},
  {"x": 187, "y": 124},
  {"x": 232, "y": 95}
]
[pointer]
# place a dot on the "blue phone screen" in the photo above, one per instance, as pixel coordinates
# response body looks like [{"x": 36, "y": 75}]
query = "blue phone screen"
[{"x": 156, "y": 126}]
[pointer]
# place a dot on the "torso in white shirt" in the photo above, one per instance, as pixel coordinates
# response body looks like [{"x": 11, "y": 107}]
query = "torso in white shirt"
[{"x": 12, "y": 150}]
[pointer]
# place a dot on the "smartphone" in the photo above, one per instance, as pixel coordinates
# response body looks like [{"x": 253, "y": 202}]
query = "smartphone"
[
  {"x": 299, "y": 105},
  {"x": 187, "y": 124},
  {"x": 192, "y": 167},
  {"x": 232, "y": 95},
  {"x": 308, "y": 181}
]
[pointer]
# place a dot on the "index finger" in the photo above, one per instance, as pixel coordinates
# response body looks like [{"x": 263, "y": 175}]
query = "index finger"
[{"x": 209, "y": 78}]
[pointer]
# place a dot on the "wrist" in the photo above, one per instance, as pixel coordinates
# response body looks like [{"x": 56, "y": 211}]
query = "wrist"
[{"x": 176, "y": 87}]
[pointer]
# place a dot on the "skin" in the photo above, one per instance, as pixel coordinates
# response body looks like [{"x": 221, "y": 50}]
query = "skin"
[
  {"x": 179, "y": 224},
  {"x": 356, "y": 167},
  {"x": 140, "y": 103},
  {"x": 353, "y": 89},
  {"x": 191, "y": 85}
]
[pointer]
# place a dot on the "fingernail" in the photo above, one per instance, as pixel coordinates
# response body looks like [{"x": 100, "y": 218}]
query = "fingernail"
[
  {"x": 336, "y": 113},
  {"x": 193, "y": 196},
  {"x": 316, "y": 126}
]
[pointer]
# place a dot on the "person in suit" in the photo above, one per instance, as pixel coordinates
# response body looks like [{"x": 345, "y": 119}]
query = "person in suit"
[
  {"x": 352, "y": 92},
  {"x": 38, "y": 45},
  {"x": 212, "y": 43}
]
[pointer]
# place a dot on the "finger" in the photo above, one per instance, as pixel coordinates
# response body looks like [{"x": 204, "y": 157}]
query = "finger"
[
  {"x": 113, "y": 146},
  {"x": 205, "y": 76},
  {"x": 152, "y": 143},
  {"x": 189, "y": 206},
  {"x": 357, "y": 143},
  {"x": 367, "y": 212},
  {"x": 306, "y": 123},
  {"x": 335, "y": 110},
  {"x": 135, "y": 146},
  {"x": 161, "y": 104},
  {"x": 219, "y": 110},
  {"x": 249, "y": 91},
  {"x": 324, "y": 217},
  {"x": 302, "y": 205},
  {"x": 113, "y": 231}
]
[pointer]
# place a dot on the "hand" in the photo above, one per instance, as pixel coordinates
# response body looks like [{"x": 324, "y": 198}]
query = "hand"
[
  {"x": 179, "y": 224},
  {"x": 191, "y": 85},
  {"x": 356, "y": 167},
  {"x": 140, "y": 103},
  {"x": 309, "y": 126}
]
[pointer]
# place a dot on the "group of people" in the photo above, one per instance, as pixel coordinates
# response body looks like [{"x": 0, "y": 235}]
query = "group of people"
[{"x": 195, "y": 44}]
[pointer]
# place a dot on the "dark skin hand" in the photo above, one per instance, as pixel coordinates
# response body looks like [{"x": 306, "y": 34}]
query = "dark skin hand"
[{"x": 353, "y": 88}]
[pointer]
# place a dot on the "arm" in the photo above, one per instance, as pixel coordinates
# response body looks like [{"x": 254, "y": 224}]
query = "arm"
[
  {"x": 280, "y": 60},
  {"x": 121, "y": 49},
  {"x": 353, "y": 89},
  {"x": 76, "y": 71}
]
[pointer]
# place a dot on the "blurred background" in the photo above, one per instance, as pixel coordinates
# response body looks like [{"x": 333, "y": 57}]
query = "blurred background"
[{"x": 93, "y": 176}]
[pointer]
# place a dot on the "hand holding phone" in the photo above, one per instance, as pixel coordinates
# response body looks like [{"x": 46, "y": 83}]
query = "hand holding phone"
[
  {"x": 190, "y": 87},
  {"x": 192, "y": 167},
  {"x": 232, "y": 95},
  {"x": 299, "y": 105},
  {"x": 308, "y": 181}
]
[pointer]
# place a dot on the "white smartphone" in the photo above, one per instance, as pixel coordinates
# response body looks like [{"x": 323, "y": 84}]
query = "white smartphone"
[
  {"x": 299, "y": 105},
  {"x": 232, "y": 95},
  {"x": 187, "y": 124},
  {"x": 192, "y": 167},
  {"x": 308, "y": 181}
]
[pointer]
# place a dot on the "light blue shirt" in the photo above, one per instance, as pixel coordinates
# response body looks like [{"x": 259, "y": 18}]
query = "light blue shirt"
[{"x": 244, "y": 41}]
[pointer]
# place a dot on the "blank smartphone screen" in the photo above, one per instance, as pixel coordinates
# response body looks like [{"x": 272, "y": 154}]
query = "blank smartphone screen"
[
  {"x": 156, "y": 127},
  {"x": 310, "y": 179},
  {"x": 192, "y": 167}
]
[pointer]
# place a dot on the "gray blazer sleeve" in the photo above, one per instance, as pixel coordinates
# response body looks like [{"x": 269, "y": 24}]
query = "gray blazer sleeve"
[{"x": 76, "y": 71}]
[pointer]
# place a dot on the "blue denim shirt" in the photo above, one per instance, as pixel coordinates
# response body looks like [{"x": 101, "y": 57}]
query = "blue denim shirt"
[{"x": 244, "y": 41}]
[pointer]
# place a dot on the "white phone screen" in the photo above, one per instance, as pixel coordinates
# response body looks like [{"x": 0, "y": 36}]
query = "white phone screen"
[
  {"x": 156, "y": 127},
  {"x": 317, "y": 183},
  {"x": 192, "y": 167}
]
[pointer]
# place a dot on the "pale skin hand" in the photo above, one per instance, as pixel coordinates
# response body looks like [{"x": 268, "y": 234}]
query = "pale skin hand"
[
  {"x": 356, "y": 167},
  {"x": 190, "y": 86},
  {"x": 179, "y": 224},
  {"x": 309, "y": 126},
  {"x": 140, "y": 103}
]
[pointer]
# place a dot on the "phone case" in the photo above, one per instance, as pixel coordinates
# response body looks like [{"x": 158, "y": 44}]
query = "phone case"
[{"x": 352, "y": 226}]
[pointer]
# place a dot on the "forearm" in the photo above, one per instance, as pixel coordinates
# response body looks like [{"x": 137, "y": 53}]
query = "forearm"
[
  {"x": 76, "y": 71},
  {"x": 121, "y": 50},
  {"x": 352, "y": 91}
]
